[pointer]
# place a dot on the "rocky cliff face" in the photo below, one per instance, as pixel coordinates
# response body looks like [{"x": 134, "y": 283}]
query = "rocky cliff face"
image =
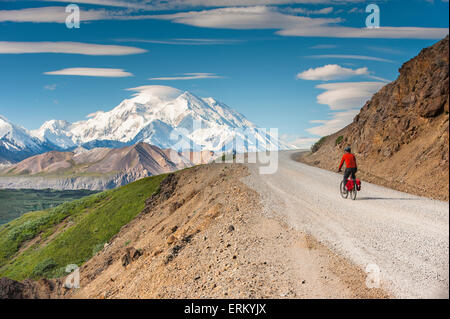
[{"x": 400, "y": 136}]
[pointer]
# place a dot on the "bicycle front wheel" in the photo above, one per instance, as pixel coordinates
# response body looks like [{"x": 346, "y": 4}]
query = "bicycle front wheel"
[{"x": 353, "y": 194}]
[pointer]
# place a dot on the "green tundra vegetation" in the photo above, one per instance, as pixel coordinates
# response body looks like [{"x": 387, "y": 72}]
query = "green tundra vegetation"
[
  {"x": 15, "y": 202},
  {"x": 41, "y": 244},
  {"x": 339, "y": 140},
  {"x": 318, "y": 144}
]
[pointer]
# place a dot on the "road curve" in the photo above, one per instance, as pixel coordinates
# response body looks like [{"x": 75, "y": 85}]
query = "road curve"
[{"x": 406, "y": 236}]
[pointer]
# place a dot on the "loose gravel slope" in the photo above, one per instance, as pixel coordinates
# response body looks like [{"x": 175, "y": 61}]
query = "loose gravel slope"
[{"x": 405, "y": 235}]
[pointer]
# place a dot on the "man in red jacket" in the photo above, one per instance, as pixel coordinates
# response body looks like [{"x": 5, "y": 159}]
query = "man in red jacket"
[{"x": 350, "y": 164}]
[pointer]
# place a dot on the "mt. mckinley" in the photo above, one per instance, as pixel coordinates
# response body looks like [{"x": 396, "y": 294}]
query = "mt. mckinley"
[{"x": 151, "y": 116}]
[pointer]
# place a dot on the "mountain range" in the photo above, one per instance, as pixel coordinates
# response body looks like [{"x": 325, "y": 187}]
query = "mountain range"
[
  {"x": 158, "y": 115},
  {"x": 98, "y": 168},
  {"x": 16, "y": 143}
]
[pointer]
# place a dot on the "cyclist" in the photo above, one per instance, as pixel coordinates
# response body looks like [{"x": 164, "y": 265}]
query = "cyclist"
[{"x": 350, "y": 164}]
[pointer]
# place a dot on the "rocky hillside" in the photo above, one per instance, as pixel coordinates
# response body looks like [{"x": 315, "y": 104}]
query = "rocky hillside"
[
  {"x": 99, "y": 168},
  {"x": 400, "y": 136}
]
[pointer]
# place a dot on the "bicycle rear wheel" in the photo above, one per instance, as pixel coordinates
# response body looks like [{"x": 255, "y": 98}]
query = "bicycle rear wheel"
[{"x": 343, "y": 190}]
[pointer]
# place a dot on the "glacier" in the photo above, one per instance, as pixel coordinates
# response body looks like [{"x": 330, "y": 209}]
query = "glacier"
[{"x": 159, "y": 115}]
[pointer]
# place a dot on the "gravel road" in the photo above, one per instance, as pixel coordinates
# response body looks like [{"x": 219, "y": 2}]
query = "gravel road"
[{"x": 406, "y": 236}]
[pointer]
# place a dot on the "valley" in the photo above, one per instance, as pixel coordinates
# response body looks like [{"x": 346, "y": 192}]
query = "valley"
[
  {"x": 95, "y": 169},
  {"x": 15, "y": 202},
  {"x": 41, "y": 244}
]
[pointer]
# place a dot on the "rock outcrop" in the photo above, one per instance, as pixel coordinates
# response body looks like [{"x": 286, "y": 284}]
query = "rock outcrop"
[
  {"x": 29, "y": 289},
  {"x": 400, "y": 136}
]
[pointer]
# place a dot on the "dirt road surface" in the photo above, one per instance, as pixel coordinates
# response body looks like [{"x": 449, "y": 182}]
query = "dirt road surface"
[{"x": 405, "y": 236}]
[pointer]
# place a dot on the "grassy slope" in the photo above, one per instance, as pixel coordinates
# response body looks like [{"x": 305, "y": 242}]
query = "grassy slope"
[
  {"x": 15, "y": 202},
  {"x": 35, "y": 245}
]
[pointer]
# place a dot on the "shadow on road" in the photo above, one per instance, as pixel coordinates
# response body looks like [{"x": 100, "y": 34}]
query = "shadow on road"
[{"x": 385, "y": 198}]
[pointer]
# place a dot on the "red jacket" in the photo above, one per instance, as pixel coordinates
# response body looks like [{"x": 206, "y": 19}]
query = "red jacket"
[{"x": 350, "y": 160}]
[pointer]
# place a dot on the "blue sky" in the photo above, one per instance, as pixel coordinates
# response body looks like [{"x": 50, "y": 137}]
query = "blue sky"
[{"x": 303, "y": 66}]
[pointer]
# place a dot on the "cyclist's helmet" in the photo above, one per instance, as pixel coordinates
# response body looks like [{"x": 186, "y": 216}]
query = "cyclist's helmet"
[{"x": 348, "y": 149}]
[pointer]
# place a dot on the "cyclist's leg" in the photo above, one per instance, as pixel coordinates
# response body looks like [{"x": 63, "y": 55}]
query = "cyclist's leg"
[
  {"x": 347, "y": 173},
  {"x": 353, "y": 173}
]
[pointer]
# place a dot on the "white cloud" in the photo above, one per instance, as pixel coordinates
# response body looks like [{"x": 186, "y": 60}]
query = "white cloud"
[
  {"x": 50, "y": 87},
  {"x": 349, "y": 56},
  {"x": 324, "y": 46},
  {"x": 326, "y": 10},
  {"x": 330, "y": 72},
  {"x": 178, "y": 4},
  {"x": 229, "y": 17},
  {"x": 224, "y": 3},
  {"x": 339, "y": 121},
  {"x": 100, "y": 72},
  {"x": 299, "y": 141},
  {"x": 189, "y": 76},
  {"x": 382, "y": 32},
  {"x": 347, "y": 95},
  {"x": 94, "y": 114},
  {"x": 378, "y": 78},
  {"x": 163, "y": 92},
  {"x": 386, "y": 50},
  {"x": 53, "y": 14},
  {"x": 259, "y": 17},
  {"x": 356, "y": 10},
  {"x": 184, "y": 41},
  {"x": 9, "y": 47},
  {"x": 111, "y": 3},
  {"x": 262, "y": 17}
]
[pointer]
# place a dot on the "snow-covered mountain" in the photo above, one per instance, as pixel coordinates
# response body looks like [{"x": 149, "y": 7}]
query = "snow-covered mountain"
[
  {"x": 156, "y": 113},
  {"x": 162, "y": 116},
  {"x": 16, "y": 143},
  {"x": 55, "y": 132}
]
